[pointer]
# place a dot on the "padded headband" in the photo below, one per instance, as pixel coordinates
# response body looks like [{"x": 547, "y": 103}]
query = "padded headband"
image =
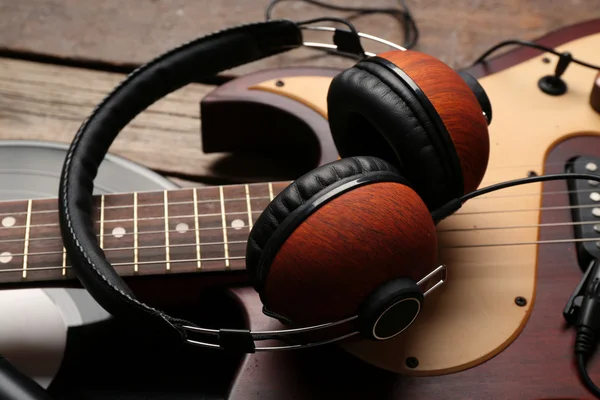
[{"x": 202, "y": 57}]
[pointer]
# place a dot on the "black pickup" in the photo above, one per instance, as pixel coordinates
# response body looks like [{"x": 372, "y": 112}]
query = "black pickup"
[{"x": 585, "y": 209}]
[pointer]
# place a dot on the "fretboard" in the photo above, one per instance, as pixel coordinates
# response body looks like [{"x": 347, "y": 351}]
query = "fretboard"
[{"x": 145, "y": 233}]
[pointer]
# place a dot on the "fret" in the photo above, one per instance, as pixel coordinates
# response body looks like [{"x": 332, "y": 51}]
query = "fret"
[
  {"x": 183, "y": 239},
  {"x": 210, "y": 228},
  {"x": 26, "y": 241},
  {"x": 151, "y": 233},
  {"x": 64, "y": 263},
  {"x": 197, "y": 229},
  {"x": 118, "y": 231},
  {"x": 237, "y": 223},
  {"x": 46, "y": 248},
  {"x": 271, "y": 197},
  {"x": 167, "y": 249},
  {"x": 224, "y": 222},
  {"x": 102, "y": 221},
  {"x": 12, "y": 233},
  {"x": 135, "y": 232},
  {"x": 248, "y": 206}
]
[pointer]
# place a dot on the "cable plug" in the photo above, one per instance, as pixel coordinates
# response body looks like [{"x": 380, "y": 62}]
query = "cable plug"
[
  {"x": 583, "y": 309},
  {"x": 588, "y": 319}
]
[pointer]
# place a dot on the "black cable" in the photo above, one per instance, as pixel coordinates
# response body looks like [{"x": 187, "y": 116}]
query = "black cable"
[
  {"x": 454, "y": 205},
  {"x": 527, "y": 43},
  {"x": 585, "y": 377},
  {"x": 524, "y": 181},
  {"x": 404, "y": 16}
]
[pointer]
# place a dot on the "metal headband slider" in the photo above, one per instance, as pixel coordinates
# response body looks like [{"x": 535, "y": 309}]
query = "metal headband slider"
[{"x": 441, "y": 269}]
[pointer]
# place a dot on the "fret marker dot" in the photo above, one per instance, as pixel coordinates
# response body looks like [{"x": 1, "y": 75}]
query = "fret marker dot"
[
  {"x": 237, "y": 224},
  {"x": 182, "y": 227},
  {"x": 118, "y": 232},
  {"x": 5, "y": 257},
  {"x": 8, "y": 221}
]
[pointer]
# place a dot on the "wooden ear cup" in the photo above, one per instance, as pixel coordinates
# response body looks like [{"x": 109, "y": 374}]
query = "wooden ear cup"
[
  {"x": 416, "y": 112},
  {"x": 456, "y": 105},
  {"x": 346, "y": 249}
]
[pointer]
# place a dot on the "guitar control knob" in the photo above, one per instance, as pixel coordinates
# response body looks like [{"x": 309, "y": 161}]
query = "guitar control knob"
[{"x": 595, "y": 95}]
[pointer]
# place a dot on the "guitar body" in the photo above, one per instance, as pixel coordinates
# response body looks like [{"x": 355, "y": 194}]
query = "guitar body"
[{"x": 495, "y": 329}]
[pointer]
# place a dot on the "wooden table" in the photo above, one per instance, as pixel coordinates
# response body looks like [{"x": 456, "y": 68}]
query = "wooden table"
[{"x": 42, "y": 101}]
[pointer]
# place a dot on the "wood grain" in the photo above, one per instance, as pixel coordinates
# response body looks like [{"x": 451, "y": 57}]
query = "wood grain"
[
  {"x": 355, "y": 243},
  {"x": 46, "y": 102},
  {"x": 457, "y": 107},
  {"x": 134, "y": 31}
]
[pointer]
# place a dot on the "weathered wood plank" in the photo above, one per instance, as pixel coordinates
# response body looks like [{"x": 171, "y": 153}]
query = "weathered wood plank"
[
  {"x": 46, "y": 102},
  {"x": 135, "y": 30}
]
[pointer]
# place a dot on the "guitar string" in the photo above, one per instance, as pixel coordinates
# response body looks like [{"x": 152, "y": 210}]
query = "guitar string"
[
  {"x": 219, "y": 228},
  {"x": 205, "y": 259},
  {"x": 208, "y": 201},
  {"x": 106, "y": 235},
  {"x": 160, "y": 204},
  {"x": 174, "y": 217},
  {"x": 106, "y": 249},
  {"x": 129, "y": 264},
  {"x": 180, "y": 245}
]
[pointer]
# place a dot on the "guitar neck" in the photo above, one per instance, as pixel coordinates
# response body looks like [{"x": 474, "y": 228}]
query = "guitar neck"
[{"x": 141, "y": 233}]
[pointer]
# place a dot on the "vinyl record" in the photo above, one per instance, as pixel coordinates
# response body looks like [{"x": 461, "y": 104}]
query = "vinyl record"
[
  {"x": 39, "y": 345},
  {"x": 31, "y": 170}
]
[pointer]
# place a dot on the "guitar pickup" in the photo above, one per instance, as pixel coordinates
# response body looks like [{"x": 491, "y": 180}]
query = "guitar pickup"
[{"x": 584, "y": 198}]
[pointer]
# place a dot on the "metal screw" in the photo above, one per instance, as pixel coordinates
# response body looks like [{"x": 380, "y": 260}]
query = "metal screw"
[
  {"x": 546, "y": 60},
  {"x": 412, "y": 362},
  {"x": 532, "y": 173},
  {"x": 279, "y": 83},
  {"x": 520, "y": 301},
  {"x": 591, "y": 166}
]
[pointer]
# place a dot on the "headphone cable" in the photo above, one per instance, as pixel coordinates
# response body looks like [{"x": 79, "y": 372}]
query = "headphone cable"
[
  {"x": 404, "y": 16},
  {"x": 527, "y": 43}
]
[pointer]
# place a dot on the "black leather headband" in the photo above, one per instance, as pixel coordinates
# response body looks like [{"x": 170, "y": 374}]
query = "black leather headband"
[{"x": 203, "y": 57}]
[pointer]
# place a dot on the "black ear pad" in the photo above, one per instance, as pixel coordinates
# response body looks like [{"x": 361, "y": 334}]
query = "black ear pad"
[
  {"x": 480, "y": 94},
  {"x": 269, "y": 229},
  {"x": 375, "y": 109}
]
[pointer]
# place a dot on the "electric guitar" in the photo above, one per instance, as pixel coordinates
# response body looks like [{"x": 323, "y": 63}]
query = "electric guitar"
[{"x": 494, "y": 330}]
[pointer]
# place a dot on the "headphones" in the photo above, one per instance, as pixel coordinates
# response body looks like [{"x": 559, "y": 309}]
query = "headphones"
[{"x": 350, "y": 246}]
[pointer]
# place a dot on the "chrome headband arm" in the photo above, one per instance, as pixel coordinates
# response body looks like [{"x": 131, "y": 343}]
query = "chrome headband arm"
[
  {"x": 337, "y": 48},
  {"x": 244, "y": 339},
  {"x": 442, "y": 268}
]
